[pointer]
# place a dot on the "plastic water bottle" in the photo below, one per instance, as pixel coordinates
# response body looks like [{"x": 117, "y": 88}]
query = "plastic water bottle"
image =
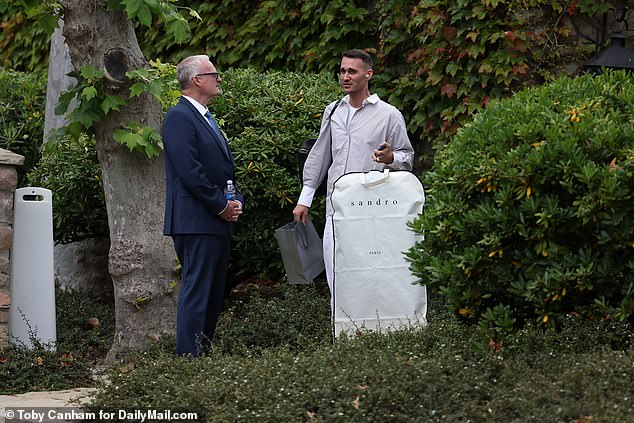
[{"x": 230, "y": 191}]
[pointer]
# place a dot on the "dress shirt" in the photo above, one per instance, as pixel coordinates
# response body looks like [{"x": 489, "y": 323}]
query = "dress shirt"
[{"x": 353, "y": 141}]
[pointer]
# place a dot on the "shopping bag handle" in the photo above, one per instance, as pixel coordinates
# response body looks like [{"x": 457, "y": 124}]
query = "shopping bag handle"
[
  {"x": 365, "y": 182},
  {"x": 301, "y": 231}
]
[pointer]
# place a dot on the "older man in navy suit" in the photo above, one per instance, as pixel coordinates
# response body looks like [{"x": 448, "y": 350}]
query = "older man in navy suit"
[{"x": 198, "y": 216}]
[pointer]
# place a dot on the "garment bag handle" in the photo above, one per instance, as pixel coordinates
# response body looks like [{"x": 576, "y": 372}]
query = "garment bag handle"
[{"x": 374, "y": 182}]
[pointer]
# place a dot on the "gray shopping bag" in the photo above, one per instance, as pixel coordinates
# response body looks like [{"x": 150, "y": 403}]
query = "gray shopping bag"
[{"x": 302, "y": 251}]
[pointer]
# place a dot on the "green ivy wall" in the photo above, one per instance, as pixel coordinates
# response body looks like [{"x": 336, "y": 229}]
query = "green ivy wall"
[{"x": 439, "y": 61}]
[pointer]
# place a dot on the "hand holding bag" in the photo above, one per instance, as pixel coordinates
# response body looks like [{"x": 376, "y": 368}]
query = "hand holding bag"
[{"x": 302, "y": 251}]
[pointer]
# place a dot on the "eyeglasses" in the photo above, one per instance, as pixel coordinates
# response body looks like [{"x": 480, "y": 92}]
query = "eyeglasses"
[{"x": 216, "y": 75}]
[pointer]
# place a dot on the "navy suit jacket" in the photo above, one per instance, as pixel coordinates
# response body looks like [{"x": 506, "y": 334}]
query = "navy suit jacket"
[{"x": 196, "y": 171}]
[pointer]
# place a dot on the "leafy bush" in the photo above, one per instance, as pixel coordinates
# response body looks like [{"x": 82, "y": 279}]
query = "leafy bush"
[
  {"x": 529, "y": 212},
  {"x": 84, "y": 331},
  {"x": 69, "y": 168},
  {"x": 266, "y": 116},
  {"x": 22, "y": 106},
  {"x": 40, "y": 368},
  {"x": 444, "y": 373}
]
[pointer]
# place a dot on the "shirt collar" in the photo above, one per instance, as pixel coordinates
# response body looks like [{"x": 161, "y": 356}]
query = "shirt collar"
[
  {"x": 373, "y": 99},
  {"x": 201, "y": 109}
]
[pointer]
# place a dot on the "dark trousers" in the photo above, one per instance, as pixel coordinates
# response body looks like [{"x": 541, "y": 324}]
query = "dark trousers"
[{"x": 204, "y": 261}]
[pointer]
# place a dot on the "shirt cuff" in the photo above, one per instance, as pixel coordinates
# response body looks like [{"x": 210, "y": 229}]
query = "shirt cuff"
[
  {"x": 306, "y": 196},
  {"x": 227, "y": 205},
  {"x": 397, "y": 162}
]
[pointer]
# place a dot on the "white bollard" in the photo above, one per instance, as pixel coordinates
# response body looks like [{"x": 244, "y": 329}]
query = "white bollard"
[{"x": 32, "y": 312}]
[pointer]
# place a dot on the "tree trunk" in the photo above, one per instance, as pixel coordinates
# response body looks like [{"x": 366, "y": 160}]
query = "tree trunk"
[{"x": 141, "y": 260}]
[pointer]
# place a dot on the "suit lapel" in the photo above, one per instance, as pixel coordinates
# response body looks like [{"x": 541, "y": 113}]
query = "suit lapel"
[{"x": 217, "y": 137}]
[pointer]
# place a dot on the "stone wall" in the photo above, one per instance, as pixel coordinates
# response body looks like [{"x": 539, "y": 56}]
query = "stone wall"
[
  {"x": 83, "y": 266},
  {"x": 8, "y": 183}
]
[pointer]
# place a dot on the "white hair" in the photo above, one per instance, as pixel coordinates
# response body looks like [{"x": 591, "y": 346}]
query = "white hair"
[{"x": 188, "y": 68}]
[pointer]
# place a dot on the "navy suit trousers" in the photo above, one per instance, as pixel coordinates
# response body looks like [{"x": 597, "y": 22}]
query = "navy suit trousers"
[{"x": 204, "y": 261}]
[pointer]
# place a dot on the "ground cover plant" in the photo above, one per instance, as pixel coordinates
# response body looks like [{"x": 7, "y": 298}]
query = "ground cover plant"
[
  {"x": 275, "y": 361},
  {"x": 85, "y": 326},
  {"x": 447, "y": 372}
]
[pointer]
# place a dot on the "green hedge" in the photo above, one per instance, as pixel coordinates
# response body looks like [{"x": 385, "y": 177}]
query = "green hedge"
[
  {"x": 266, "y": 116},
  {"x": 530, "y": 211},
  {"x": 274, "y": 361},
  {"x": 69, "y": 168}
]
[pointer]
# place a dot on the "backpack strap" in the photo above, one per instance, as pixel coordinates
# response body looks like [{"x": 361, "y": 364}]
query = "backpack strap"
[{"x": 333, "y": 109}]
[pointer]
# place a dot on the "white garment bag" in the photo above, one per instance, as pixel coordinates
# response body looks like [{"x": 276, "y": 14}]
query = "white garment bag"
[{"x": 373, "y": 286}]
